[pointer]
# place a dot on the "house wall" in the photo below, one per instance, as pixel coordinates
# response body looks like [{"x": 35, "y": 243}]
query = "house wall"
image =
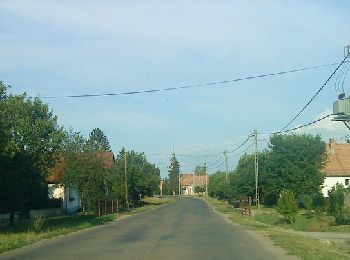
[
  {"x": 71, "y": 199},
  {"x": 187, "y": 190},
  {"x": 329, "y": 182}
]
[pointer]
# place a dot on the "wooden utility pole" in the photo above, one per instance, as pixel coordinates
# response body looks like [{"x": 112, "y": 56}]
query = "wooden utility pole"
[
  {"x": 206, "y": 179},
  {"x": 256, "y": 169},
  {"x": 126, "y": 182},
  {"x": 161, "y": 188},
  {"x": 226, "y": 163}
]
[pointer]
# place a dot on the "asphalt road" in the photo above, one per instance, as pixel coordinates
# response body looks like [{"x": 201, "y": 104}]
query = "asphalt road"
[{"x": 186, "y": 229}]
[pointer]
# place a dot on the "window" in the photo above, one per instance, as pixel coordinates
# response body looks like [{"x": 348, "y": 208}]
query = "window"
[{"x": 347, "y": 181}]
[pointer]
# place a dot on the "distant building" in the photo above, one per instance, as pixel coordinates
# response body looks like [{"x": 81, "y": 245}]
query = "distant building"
[
  {"x": 189, "y": 181},
  {"x": 337, "y": 169}
]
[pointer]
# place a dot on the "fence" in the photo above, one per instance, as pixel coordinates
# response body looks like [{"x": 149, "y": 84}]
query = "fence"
[
  {"x": 245, "y": 205},
  {"x": 105, "y": 207}
]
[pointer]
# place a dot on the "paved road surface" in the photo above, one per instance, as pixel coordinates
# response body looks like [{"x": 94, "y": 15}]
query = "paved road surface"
[{"x": 186, "y": 229}]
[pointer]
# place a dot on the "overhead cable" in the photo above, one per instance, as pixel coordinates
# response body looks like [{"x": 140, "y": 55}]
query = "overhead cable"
[
  {"x": 190, "y": 86},
  {"x": 299, "y": 127},
  {"x": 314, "y": 96},
  {"x": 245, "y": 141}
]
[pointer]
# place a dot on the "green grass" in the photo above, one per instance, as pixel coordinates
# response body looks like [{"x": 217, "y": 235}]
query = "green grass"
[
  {"x": 272, "y": 225},
  {"x": 21, "y": 235}
]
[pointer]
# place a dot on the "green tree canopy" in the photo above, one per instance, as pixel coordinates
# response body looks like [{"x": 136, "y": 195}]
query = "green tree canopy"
[
  {"x": 218, "y": 186},
  {"x": 292, "y": 162},
  {"x": 29, "y": 143},
  {"x": 200, "y": 170},
  {"x": 143, "y": 177},
  {"x": 98, "y": 140},
  {"x": 174, "y": 173}
]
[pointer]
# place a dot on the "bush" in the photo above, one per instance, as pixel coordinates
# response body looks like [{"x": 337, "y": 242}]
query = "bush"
[
  {"x": 319, "y": 203},
  {"x": 307, "y": 203},
  {"x": 287, "y": 205},
  {"x": 37, "y": 223},
  {"x": 336, "y": 205}
]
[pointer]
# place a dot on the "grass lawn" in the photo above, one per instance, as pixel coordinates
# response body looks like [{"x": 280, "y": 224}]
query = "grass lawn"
[
  {"x": 21, "y": 235},
  {"x": 273, "y": 226}
]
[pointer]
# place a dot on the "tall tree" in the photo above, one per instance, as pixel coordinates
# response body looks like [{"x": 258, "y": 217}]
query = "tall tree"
[
  {"x": 200, "y": 170},
  {"x": 174, "y": 173},
  {"x": 98, "y": 140},
  {"x": 30, "y": 141},
  {"x": 218, "y": 186},
  {"x": 294, "y": 162},
  {"x": 85, "y": 171}
]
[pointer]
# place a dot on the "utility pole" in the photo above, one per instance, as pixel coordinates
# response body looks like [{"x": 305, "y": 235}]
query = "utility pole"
[
  {"x": 161, "y": 188},
  {"x": 179, "y": 183},
  {"x": 206, "y": 179},
  {"x": 226, "y": 163},
  {"x": 126, "y": 182},
  {"x": 256, "y": 169}
]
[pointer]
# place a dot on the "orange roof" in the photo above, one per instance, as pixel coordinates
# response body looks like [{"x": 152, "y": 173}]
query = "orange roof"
[
  {"x": 338, "y": 162},
  {"x": 188, "y": 179},
  {"x": 56, "y": 173}
]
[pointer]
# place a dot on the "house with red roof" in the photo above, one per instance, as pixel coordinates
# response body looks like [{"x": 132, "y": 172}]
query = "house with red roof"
[
  {"x": 337, "y": 168},
  {"x": 189, "y": 181},
  {"x": 71, "y": 201}
]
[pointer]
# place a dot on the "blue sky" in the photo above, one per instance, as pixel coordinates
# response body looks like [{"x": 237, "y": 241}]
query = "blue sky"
[{"x": 57, "y": 48}]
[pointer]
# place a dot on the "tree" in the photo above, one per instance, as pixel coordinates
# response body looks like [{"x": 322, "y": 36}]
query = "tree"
[
  {"x": 243, "y": 180},
  {"x": 218, "y": 186},
  {"x": 29, "y": 143},
  {"x": 143, "y": 177},
  {"x": 319, "y": 203},
  {"x": 85, "y": 170},
  {"x": 98, "y": 140},
  {"x": 294, "y": 163},
  {"x": 307, "y": 201},
  {"x": 166, "y": 186},
  {"x": 287, "y": 205},
  {"x": 174, "y": 173},
  {"x": 200, "y": 170},
  {"x": 336, "y": 199}
]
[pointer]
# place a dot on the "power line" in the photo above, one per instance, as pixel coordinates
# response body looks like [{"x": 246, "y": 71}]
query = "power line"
[
  {"x": 299, "y": 127},
  {"x": 215, "y": 167},
  {"x": 217, "y": 161},
  {"x": 245, "y": 141},
  {"x": 314, "y": 96},
  {"x": 191, "y": 86},
  {"x": 243, "y": 152}
]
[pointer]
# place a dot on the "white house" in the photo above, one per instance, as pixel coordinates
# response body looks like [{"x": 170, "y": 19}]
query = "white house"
[
  {"x": 337, "y": 169},
  {"x": 71, "y": 202}
]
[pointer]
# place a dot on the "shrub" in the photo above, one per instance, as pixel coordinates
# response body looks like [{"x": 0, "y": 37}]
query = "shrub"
[
  {"x": 287, "y": 205},
  {"x": 319, "y": 203},
  {"x": 308, "y": 203},
  {"x": 37, "y": 223},
  {"x": 336, "y": 198}
]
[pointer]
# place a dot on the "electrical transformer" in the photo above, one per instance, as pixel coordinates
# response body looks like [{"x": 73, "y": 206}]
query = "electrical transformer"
[{"x": 342, "y": 107}]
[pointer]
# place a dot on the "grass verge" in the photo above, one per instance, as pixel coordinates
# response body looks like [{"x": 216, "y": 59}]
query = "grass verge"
[
  {"x": 294, "y": 244},
  {"x": 21, "y": 235}
]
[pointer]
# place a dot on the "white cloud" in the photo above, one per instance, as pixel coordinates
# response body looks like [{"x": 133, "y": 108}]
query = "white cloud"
[{"x": 326, "y": 128}]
